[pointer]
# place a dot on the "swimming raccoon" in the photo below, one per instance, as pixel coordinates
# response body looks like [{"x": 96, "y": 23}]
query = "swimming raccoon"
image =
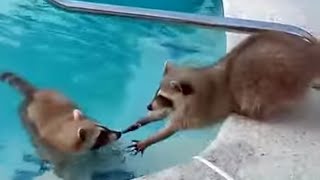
[
  {"x": 60, "y": 132},
  {"x": 263, "y": 75}
]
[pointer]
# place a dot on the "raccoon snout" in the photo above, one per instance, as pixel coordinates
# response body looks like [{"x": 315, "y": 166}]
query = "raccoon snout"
[
  {"x": 115, "y": 135},
  {"x": 105, "y": 137},
  {"x": 118, "y": 134},
  {"x": 149, "y": 107}
]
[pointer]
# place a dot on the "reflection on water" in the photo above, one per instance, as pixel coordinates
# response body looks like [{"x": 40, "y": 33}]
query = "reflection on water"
[{"x": 110, "y": 66}]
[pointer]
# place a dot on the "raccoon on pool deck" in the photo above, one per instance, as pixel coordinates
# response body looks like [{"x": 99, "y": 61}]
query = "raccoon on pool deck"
[
  {"x": 265, "y": 74},
  {"x": 58, "y": 130}
]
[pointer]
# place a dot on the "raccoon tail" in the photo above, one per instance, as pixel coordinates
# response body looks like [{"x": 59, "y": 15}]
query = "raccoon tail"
[{"x": 22, "y": 85}]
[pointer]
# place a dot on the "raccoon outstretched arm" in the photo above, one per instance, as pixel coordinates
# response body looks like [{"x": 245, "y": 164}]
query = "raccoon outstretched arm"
[
  {"x": 142, "y": 122},
  {"x": 140, "y": 146},
  {"x": 161, "y": 135},
  {"x": 152, "y": 117}
]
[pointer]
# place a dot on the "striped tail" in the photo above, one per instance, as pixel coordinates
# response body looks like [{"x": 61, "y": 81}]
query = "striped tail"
[{"x": 20, "y": 84}]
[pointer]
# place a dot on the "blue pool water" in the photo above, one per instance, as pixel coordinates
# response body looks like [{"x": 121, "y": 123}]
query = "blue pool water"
[
  {"x": 211, "y": 7},
  {"x": 110, "y": 66}
]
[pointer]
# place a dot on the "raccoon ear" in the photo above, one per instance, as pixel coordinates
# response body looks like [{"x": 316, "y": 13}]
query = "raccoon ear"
[
  {"x": 77, "y": 114},
  {"x": 183, "y": 87},
  {"x": 167, "y": 67},
  {"x": 82, "y": 134},
  {"x": 175, "y": 85}
]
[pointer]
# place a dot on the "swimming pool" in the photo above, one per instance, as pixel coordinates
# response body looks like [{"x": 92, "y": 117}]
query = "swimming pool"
[
  {"x": 110, "y": 66},
  {"x": 210, "y": 7}
]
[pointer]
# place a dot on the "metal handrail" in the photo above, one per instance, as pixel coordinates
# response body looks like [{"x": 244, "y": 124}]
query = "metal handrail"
[{"x": 230, "y": 24}]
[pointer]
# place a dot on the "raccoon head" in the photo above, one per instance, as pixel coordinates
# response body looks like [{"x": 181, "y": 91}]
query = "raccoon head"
[
  {"x": 160, "y": 102},
  {"x": 174, "y": 87},
  {"x": 92, "y": 136}
]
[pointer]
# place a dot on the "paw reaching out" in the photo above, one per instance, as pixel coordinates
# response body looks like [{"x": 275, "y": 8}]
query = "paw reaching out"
[
  {"x": 132, "y": 127},
  {"x": 137, "y": 147}
]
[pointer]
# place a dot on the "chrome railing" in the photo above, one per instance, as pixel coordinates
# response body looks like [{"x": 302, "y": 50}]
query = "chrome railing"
[{"x": 229, "y": 24}]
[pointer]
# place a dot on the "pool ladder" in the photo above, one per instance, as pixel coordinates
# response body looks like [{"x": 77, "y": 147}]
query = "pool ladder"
[{"x": 229, "y": 24}]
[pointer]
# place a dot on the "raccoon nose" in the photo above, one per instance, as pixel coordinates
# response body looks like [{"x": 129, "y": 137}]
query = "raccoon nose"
[
  {"x": 149, "y": 107},
  {"x": 118, "y": 134},
  {"x": 115, "y": 135}
]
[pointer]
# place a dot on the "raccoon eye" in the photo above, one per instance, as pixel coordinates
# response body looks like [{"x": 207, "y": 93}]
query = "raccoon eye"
[{"x": 82, "y": 134}]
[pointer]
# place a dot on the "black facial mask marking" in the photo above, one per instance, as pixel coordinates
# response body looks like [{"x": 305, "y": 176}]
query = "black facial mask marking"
[
  {"x": 164, "y": 102},
  {"x": 161, "y": 100},
  {"x": 103, "y": 138}
]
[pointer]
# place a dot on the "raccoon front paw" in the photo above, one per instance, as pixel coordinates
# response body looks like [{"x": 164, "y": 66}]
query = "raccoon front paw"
[
  {"x": 132, "y": 128},
  {"x": 44, "y": 166},
  {"x": 137, "y": 147}
]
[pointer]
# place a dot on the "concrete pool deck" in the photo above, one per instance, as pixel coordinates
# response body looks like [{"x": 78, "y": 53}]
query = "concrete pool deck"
[{"x": 286, "y": 148}]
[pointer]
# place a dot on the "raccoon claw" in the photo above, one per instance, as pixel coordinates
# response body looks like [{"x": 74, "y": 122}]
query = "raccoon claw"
[
  {"x": 44, "y": 166},
  {"x": 137, "y": 147}
]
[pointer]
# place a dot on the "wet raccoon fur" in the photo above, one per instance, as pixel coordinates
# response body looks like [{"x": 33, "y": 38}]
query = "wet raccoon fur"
[{"x": 60, "y": 132}]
